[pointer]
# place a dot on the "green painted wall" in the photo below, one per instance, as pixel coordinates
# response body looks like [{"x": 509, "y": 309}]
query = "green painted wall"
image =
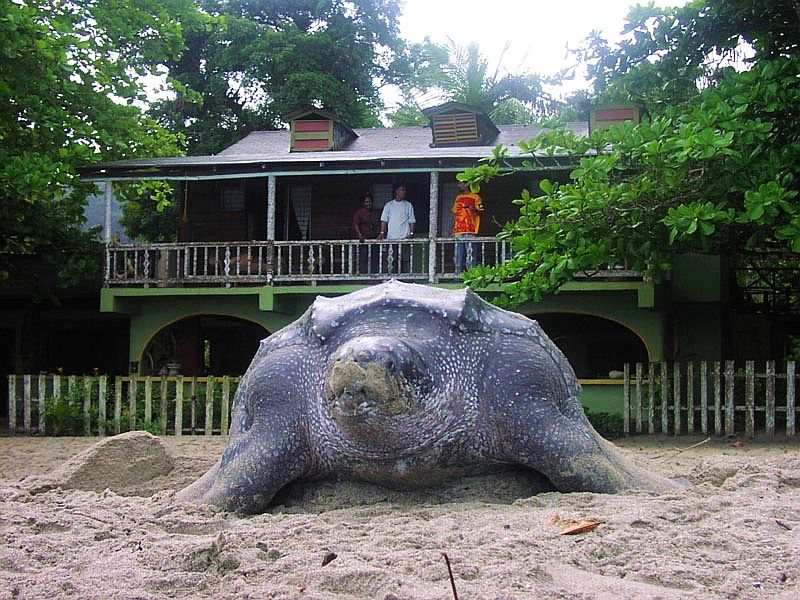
[
  {"x": 151, "y": 313},
  {"x": 605, "y": 397},
  {"x": 151, "y": 309},
  {"x": 699, "y": 278}
]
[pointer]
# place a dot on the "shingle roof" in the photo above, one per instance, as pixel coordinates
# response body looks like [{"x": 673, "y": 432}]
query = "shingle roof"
[
  {"x": 378, "y": 143},
  {"x": 372, "y": 144}
]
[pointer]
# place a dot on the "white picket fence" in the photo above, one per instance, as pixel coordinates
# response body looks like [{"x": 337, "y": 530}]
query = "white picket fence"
[
  {"x": 706, "y": 397},
  {"x": 103, "y": 405},
  {"x": 664, "y": 398}
]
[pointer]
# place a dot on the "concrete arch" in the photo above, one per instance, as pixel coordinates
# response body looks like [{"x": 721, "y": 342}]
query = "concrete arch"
[
  {"x": 158, "y": 313},
  {"x": 622, "y": 308},
  {"x": 146, "y": 343},
  {"x": 632, "y": 327},
  {"x": 595, "y": 345}
]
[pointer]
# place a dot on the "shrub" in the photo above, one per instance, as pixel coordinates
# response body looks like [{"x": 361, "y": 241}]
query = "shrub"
[
  {"x": 64, "y": 414},
  {"x": 609, "y": 425}
]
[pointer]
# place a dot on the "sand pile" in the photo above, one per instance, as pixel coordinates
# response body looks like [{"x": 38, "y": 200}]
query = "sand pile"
[
  {"x": 735, "y": 533},
  {"x": 121, "y": 463}
]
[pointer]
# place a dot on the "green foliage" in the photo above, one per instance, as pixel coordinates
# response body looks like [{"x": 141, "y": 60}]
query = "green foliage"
[
  {"x": 248, "y": 63},
  {"x": 714, "y": 170},
  {"x": 610, "y": 425},
  {"x": 64, "y": 415},
  {"x": 148, "y": 210},
  {"x": 669, "y": 53},
  {"x": 69, "y": 77}
]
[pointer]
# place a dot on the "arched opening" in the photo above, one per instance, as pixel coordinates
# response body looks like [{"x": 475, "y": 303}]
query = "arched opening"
[
  {"x": 594, "y": 346},
  {"x": 203, "y": 345}
]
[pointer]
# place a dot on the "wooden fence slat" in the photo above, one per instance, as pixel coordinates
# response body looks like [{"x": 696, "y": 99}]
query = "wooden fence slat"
[
  {"x": 209, "y": 426},
  {"x": 704, "y": 397},
  {"x": 749, "y": 398},
  {"x": 626, "y": 399},
  {"x": 57, "y": 387},
  {"x": 179, "y": 406},
  {"x": 118, "y": 405},
  {"x": 26, "y": 403},
  {"x": 193, "y": 405},
  {"x": 729, "y": 375},
  {"x": 102, "y": 391},
  {"x": 42, "y": 400},
  {"x": 12, "y": 404},
  {"x": 87, "y": 406},
  {"x": 226, "y": 398},
  {"x": 676, "y": 395},
  {"x": 790, "y": 402},
  {"x": 651, "y": 398},
  {"x": 690, "y": 398},
  {"x": 769, "y": 423},
  {"x": 133, "y": 392},
  {"x": 163, "y": 406},
  {"x": 638, "y": 403},
  {"x": 148, "y": 402},
  {"x": 664, "y": 399},
  {"x": 717, "y": 398}
]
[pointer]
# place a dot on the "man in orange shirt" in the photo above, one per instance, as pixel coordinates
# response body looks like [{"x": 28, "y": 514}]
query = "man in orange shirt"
[{"x": 466, "y": 210}]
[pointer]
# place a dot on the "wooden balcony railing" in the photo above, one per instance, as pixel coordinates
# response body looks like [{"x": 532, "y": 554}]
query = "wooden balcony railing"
[
  {"x": 263, "y": 262},
  {"x": 189, "y": 263},
  {"x": 351, "y": 260}
]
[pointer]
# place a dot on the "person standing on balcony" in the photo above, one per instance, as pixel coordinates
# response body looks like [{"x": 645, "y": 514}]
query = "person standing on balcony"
[
  {"x": 397, "y": 218},
  {"x": 397, "y": 223},
  {"x": 366, "y": 226},
  {"x": 467, "y": 209}
]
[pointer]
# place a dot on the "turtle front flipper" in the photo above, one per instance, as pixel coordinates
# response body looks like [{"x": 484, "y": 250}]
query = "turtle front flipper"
[
  {"x": 269, "y": 445},
  {"x": 567, "y": 450},
  {"x": 250, "y": 473}
]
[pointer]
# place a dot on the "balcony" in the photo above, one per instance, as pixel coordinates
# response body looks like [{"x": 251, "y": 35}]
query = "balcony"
[{"x": 304, "y": 262}]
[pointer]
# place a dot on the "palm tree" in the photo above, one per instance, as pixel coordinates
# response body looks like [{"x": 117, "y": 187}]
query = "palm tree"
[{"x": 465, "y": 77}]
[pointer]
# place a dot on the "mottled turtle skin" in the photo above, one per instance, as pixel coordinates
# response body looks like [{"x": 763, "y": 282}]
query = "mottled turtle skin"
[{"x": 408, "y": 385}]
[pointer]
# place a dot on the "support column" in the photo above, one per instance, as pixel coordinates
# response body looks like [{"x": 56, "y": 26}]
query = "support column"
[
  {"x": 107, "y": 221},
  {"x": 433, "y": 222},
  {"x": 271, "y": 207}
]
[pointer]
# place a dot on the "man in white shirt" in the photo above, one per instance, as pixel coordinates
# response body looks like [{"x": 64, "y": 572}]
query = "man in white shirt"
[
  {"x": 397, "y": 218},
  {"x": 397, "y": 223}
]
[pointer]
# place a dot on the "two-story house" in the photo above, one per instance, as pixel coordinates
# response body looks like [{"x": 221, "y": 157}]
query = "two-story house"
[{"x": 266, "y": 225}]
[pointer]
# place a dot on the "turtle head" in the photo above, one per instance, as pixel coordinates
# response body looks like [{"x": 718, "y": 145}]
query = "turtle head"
[{"x": 373, "y": 380}]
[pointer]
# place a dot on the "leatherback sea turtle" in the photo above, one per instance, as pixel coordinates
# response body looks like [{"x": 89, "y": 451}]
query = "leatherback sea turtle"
[{"x": 408, "y": 385}]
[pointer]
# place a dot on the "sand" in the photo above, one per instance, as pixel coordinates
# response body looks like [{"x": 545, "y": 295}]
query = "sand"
[{"x": 734, "y": 533}]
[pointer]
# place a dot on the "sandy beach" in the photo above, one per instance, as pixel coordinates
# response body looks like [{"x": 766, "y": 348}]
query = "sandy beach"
[{"x": 734, "y": 533}]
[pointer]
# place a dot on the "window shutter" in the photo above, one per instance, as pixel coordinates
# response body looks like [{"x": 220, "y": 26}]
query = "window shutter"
[{"x": 455, "y": 128}]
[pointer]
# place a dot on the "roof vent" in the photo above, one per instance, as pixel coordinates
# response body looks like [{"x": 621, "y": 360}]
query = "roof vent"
[
  {"x": 456, "y": 124},
  {"x": 313, "y": 130},
  {"x": 606, "y": 116}
]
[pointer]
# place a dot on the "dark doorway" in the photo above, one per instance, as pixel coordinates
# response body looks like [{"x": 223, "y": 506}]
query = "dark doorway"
[
  {"x": 594, "y": 346},
  {"x": 203, "y": 345}
]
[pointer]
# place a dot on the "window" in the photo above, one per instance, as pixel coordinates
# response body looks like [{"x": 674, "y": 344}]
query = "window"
[{"x": 232, "y": 196}]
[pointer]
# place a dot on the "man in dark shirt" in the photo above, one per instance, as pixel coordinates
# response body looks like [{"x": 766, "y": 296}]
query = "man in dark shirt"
[
  {"x": 366, "y": 226},
  {"x": 365, "y": 220}
]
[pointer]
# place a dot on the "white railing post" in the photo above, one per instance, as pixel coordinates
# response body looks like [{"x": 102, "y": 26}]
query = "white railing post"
[
  {"x": 109, "y": 197},
  {"x": 271, "y": 190},
  {"x": 12, "y": 404},
  {"x": 433, "y": 222},
  {"x": 108, "y": 263}
]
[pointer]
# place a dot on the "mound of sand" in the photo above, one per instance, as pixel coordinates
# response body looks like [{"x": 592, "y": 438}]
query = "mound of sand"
[{"x": 119, "y": 463}]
